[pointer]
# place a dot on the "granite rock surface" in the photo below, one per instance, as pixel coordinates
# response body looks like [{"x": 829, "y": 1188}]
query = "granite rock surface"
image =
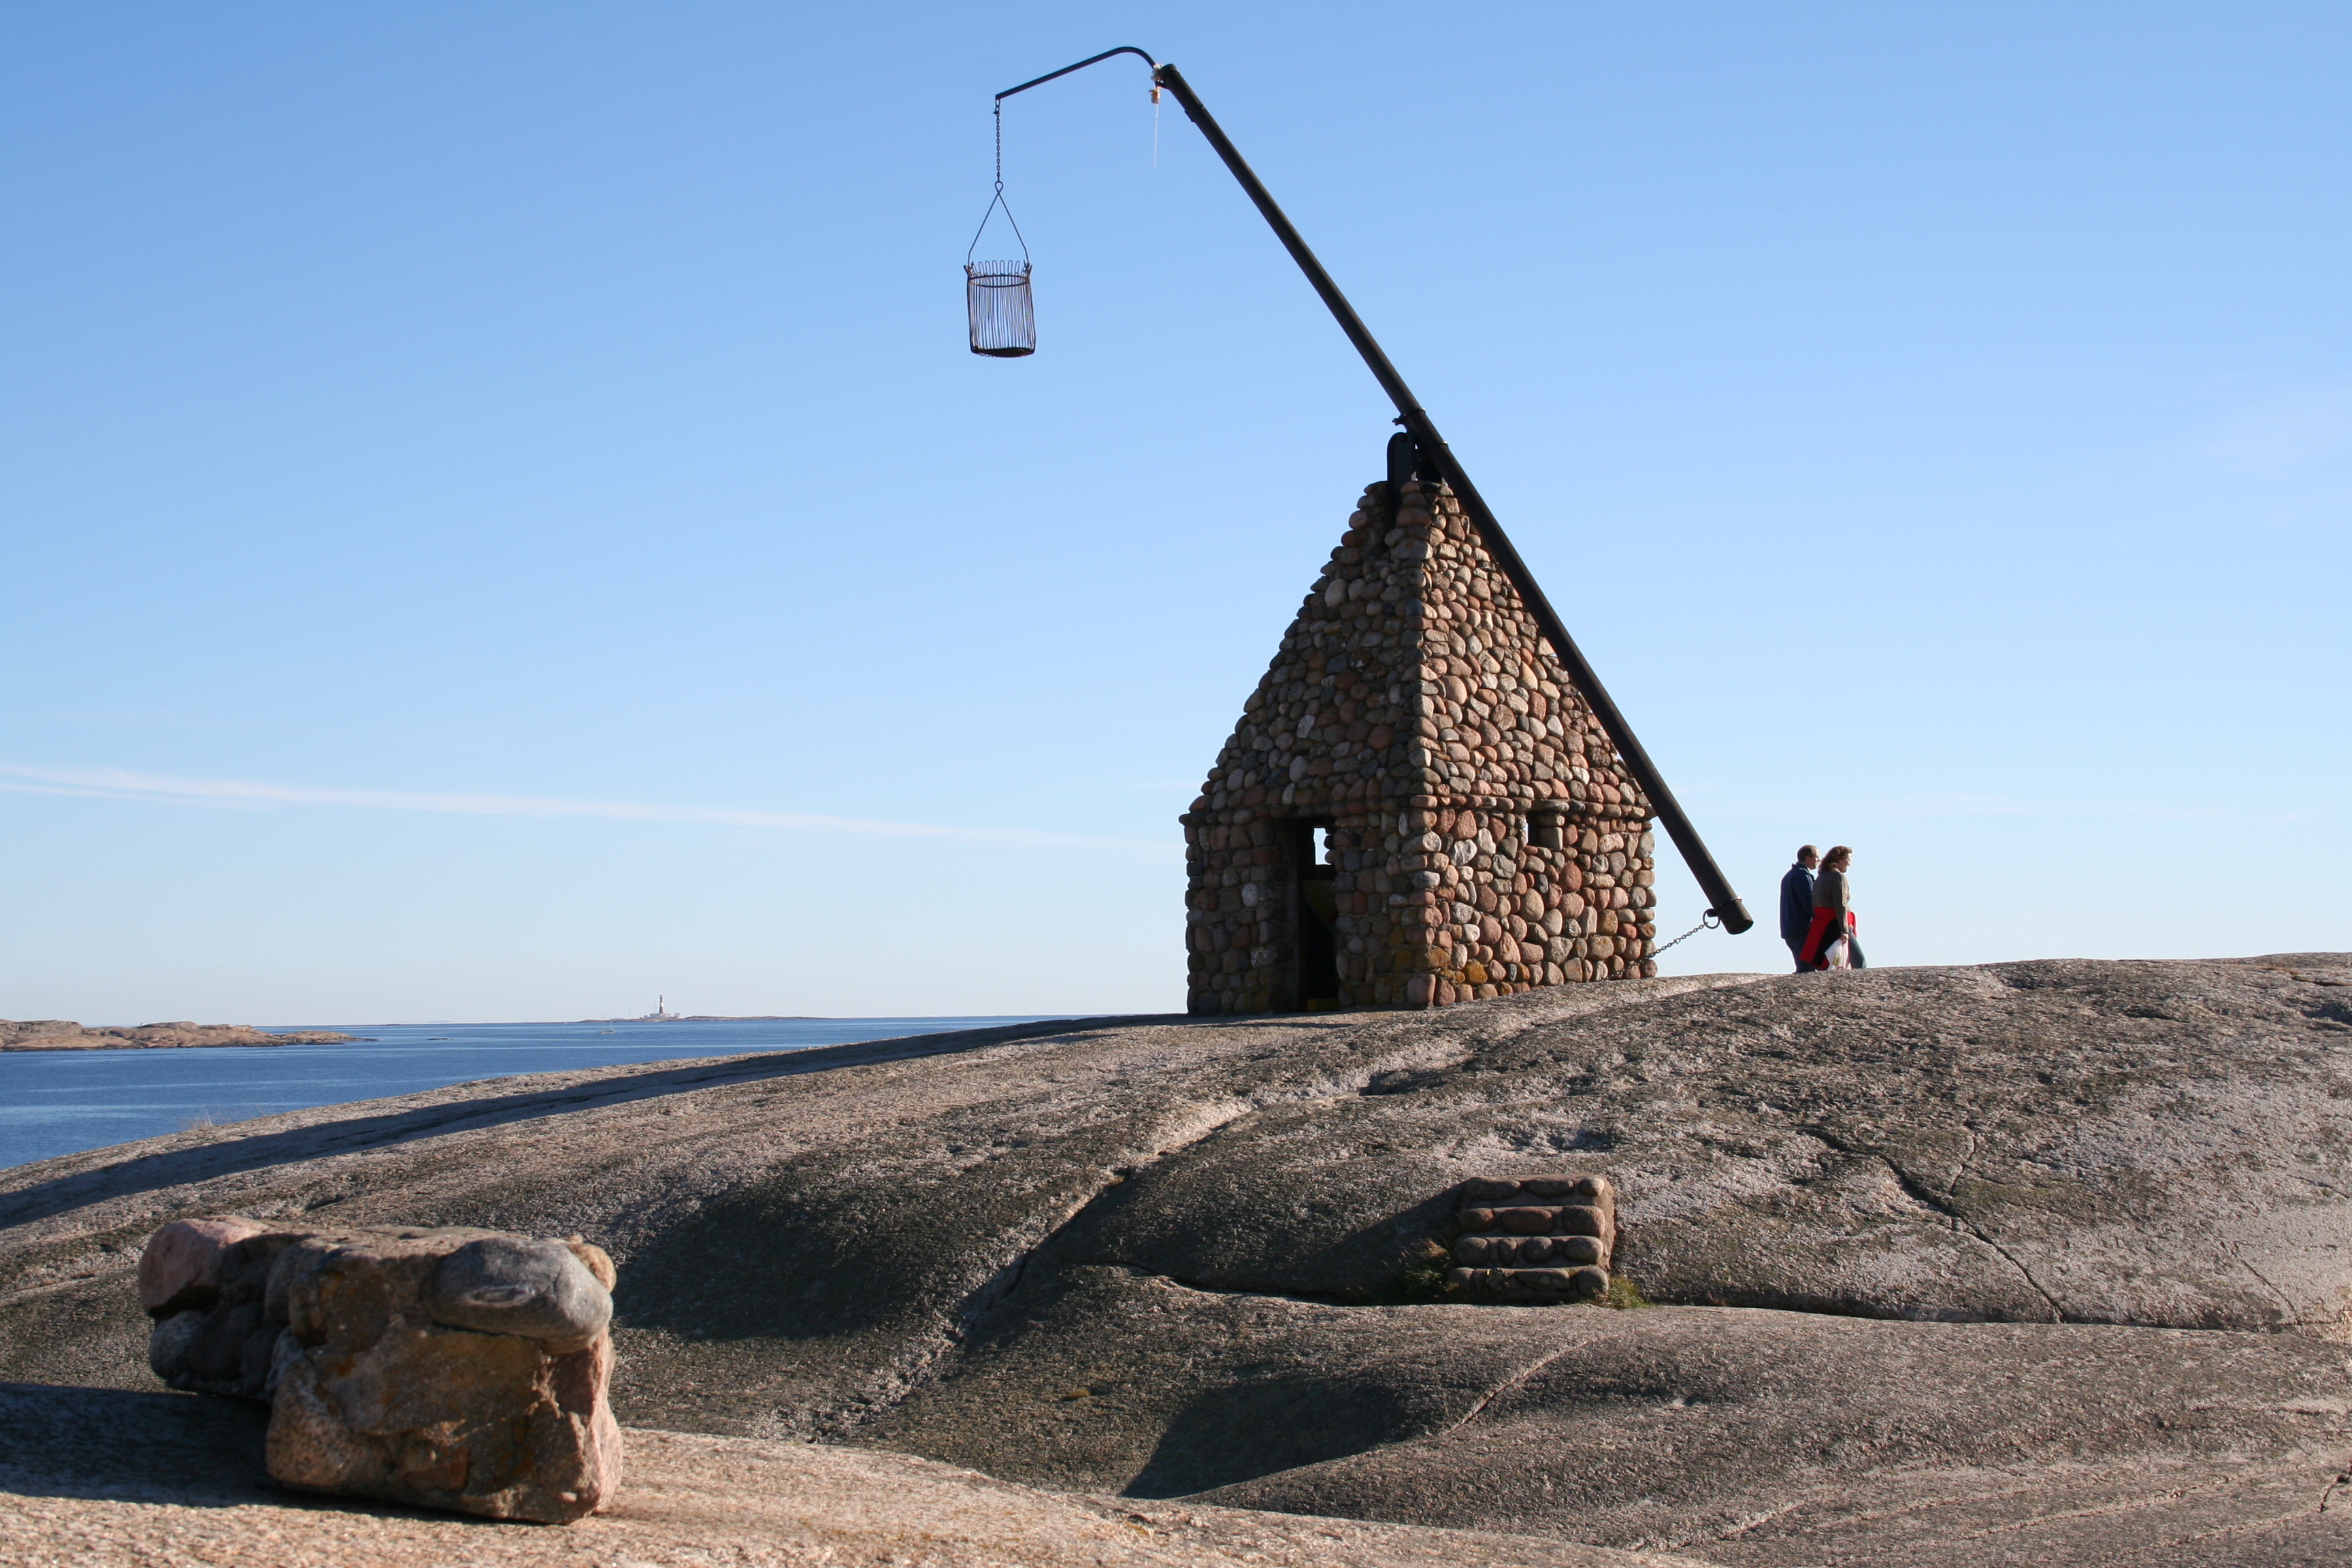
[
  {"x": 1892, "y": 1213},
  {"x": 1759, "y": 1439},
  {"x": 97, "y": 1479}
]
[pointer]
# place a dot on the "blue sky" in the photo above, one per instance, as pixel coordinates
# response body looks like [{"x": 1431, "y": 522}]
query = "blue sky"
[{"x": 500, "y": 519}]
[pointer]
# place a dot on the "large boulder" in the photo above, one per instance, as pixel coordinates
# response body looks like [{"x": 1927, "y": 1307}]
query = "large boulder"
[
  {"x": 450, "y": 1367},
  {"x": 2134, "y": 1166}
]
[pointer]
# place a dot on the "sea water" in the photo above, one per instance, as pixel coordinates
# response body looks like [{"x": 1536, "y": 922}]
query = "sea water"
[{"x": 61, "y": 1102}]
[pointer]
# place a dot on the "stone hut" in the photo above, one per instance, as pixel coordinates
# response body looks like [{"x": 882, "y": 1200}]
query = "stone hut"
[{"x": 1416, "y": 807}]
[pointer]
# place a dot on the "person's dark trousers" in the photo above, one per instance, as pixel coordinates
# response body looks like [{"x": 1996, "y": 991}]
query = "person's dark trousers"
[{"x": 1797, "y": 952}]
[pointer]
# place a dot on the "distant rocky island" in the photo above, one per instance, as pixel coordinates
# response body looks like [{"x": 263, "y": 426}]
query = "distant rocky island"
[
  {"x": 662, "y": 1015},
  {"x": 708, "y": 1018},
  {"x": 63, "y": 1035}
]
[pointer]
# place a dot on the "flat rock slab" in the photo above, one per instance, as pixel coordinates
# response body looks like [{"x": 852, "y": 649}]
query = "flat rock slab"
[
  {"x": 828, "y": 1242},
  {"x": 82, "y": 1486},
  {"x": 2153, "y": 1143},
  {"x": 1738, "y": 1437}
]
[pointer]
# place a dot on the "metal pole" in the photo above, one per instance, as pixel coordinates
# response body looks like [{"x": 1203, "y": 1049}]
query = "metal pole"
[{"x": 1724, "y": 904}]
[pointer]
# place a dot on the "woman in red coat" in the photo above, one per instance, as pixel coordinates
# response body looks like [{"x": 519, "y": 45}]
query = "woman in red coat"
[{"x": 1827, "y": 944}]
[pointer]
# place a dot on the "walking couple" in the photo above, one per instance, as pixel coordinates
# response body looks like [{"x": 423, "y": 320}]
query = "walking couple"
[{"x": 1817, "y": 912}]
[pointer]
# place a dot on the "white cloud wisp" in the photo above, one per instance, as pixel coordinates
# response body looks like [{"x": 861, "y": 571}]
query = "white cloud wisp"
[{"x": 116, "y": 784}]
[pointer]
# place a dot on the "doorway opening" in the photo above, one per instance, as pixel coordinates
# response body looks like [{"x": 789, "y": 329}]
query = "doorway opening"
[{"x": 1317, "y": 905}]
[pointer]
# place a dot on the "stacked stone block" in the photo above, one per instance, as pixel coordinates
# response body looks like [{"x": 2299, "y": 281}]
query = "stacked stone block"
[
  {"x": 1534, "y": 1239},
  {"x": 1485, "y": 837}
]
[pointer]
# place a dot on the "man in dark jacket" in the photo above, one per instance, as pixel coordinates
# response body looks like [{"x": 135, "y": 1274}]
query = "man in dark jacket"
[{"x": 1797, "y": 905}]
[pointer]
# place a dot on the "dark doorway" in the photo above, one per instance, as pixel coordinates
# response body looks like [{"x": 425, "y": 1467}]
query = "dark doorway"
[{"x": 1317, "y": 903}]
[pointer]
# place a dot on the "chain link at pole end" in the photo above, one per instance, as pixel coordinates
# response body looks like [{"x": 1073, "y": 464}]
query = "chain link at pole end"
[{"x": 1711, "y": 923}]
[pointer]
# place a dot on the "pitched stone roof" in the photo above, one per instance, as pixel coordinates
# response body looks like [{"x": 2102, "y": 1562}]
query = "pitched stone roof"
[{"x": 1415, "y": 672}]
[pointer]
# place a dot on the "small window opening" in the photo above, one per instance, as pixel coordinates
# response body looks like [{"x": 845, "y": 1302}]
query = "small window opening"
[{"x": 1547, "y": 829}]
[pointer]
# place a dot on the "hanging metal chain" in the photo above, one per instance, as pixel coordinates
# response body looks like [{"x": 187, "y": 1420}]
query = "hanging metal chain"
[
  {"x": 998, "y": 202},
  {"x": 1709, "y": 923}
]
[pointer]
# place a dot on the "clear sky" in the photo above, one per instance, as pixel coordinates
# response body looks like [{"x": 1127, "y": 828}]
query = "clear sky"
[{"x": 500, "y": 520}]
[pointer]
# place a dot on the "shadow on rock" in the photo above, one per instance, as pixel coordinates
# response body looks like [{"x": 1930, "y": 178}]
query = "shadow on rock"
[
  {"x": 1228, "y": 1435},
  {"x": 65, "y": 1441}
]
